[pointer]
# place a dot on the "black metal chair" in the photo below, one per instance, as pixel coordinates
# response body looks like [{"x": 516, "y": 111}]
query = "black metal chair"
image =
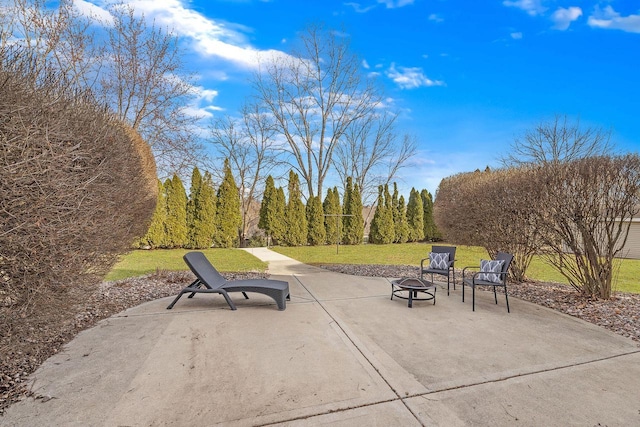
[
  {"x": 448, "y": 271},
  {"x": 480, "y": 279}
]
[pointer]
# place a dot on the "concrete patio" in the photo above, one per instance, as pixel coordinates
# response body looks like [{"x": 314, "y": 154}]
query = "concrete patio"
[{"x": 342, "y": 353}]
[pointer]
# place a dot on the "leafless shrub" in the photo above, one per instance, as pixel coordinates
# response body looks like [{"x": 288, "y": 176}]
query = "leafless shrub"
[
  {"x": 76, "y": 188},
  {"x": 492, "y": 209},
  {"x": 584, "y": 217}
]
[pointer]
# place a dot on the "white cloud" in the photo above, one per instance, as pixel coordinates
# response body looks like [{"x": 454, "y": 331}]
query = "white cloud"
[
  {"x": 532, "y": 7},
  {"x": 392, "y": 4},
  {"x": 516, "y": 36},
  {"x": 610, "y": 19},
  {"x": 357, "y": 7},
  {"x": 410, "y": 77},
  {"x": 562, "y": 17},
  {"x": 210, "y": 38},
  {"x": 202, "y": 105},
  {"x": 365, "y": 64},
  {"x": 435, "y": 18},
  {"x": 94, "y": 12}
]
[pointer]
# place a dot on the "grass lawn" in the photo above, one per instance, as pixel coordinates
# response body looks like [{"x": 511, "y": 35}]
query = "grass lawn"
[
  {"x": 626, "y": 279},
  {"x": 140, "y": 262}
]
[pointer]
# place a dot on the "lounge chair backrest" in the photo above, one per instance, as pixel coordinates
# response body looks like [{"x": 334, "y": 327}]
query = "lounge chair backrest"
[
  {"x": 203, "y": 269},
  {"x": 451, "y": 250}
]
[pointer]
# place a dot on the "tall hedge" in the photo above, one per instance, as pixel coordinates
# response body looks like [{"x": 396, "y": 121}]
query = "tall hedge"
[
  {"x": 156, "y": 236},
  {"x": 228, "y": 216},
  {"x": 332, "y": 222},
  {"x": 315, "y": 220},
  {"x": 279, "y": 228},
  {"x": 430, "y": 229},
  {"x": 402, "y": 225},
  {"x": 271, "y": 212},
  {"x": 353, "y": 222},
  {"x": 192, "y": 201},
  {"x": 415, "y": 216},
  {"x": 382, "y": 229},
  {"x": 176, "y": 223},
  {"x": 203, "y": 225},
  {"x": 295, "y": 215}
]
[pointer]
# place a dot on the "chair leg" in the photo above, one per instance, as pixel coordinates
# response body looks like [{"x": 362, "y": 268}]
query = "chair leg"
[
  {"x": 473, "y": 298},
  {"x": 245, "y": 295},
  {"x": 447, "y": 285},
  {"x": 507, "y": 298},
  {"x": 495, "y": 295}
]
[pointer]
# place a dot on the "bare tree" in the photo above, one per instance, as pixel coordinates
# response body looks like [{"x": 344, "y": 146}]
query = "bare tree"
[
  {"x": 315, "y": 95},
  {"x": 248, "y": 143},
  {"x": 143, "y": 81},
  {"x": 558, "y": 140},
  {"x": 585, "y": 215},
  {"x": 372, "y": 153},
  {"x": 134, "y": 67},
  {"x": 59, "y": 39}
]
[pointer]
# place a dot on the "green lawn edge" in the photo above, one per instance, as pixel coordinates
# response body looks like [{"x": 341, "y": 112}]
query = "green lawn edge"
[{"x": 141, "y": 262}]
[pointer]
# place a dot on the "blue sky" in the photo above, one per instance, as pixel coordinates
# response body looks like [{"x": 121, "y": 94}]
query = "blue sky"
[{"x": 467, "y": 77}]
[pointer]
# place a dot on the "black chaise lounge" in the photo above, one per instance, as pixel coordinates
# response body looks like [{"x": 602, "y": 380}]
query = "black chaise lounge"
[{"x": 209, "y": 281}]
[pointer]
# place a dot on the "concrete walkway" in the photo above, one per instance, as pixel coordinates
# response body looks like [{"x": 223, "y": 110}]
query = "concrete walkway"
[{"x": 341, "y": 354}]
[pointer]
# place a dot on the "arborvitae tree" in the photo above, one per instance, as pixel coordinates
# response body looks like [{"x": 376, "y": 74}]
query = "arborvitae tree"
[
  {"x": 228, "y": 217},
  {"x": 295, "y": 215},
  {"x": 315, "y": 220},
  {"x": 267, "y": 208},
  {"x": 204, "y": 217},
  {"x": 382, "y": 230},
  {"x": 395, "y": 212},
  {"x": 402, "y": 227},
  {"x": 331, "y": 206},
  {"x": 176, "y": 223},
  {"x": 415, "y": 217},
  {"x": 352, "y": 222},
  {"x": 156, "y": 235},
  {"x": 279, "y": 224},
  {"x": 192, "y": 205},
  {"x": 430, "y": 229}
]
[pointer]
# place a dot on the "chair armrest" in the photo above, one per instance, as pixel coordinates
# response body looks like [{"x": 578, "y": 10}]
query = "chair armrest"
[
  {"x": 501, "y": 273},
  {"x": 422, "y": 263},
  {"x": 464, "y": 270}
]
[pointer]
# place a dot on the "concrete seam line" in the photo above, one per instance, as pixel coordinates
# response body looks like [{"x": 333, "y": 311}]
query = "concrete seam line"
[
  {"x": 525, "y": 374},
  {"x": 360, "y": 351},
  {"x": 329, "y": 411}
]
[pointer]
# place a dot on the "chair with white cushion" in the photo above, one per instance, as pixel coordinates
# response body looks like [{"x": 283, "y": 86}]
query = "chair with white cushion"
[
  {"x": 492, "y": 273},
  {"x": 441, "y": 259}
]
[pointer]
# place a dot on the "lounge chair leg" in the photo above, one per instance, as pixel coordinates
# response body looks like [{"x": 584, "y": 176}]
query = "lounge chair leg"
[
  {"x": 228, "y": 299},
  {"x": 454, "y": 278},
  {"x": 245, "y": 295},
  {"x": 495, "y": 295},
  {"x": 463, "y": 291},
  {"x": 447, "y": 285},
  {"x": 174, "y": 301}
]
